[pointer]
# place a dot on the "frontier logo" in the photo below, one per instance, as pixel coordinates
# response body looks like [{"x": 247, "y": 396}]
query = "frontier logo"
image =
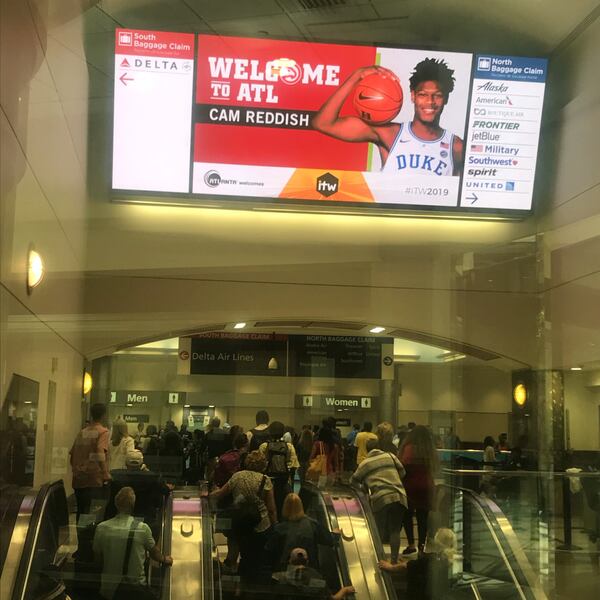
[{"x": 327, "y": 184}]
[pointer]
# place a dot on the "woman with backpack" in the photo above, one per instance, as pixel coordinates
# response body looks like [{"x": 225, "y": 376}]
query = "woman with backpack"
[
  {"x": 252, "y": 514},
  {"x": 281, "y": 460}
]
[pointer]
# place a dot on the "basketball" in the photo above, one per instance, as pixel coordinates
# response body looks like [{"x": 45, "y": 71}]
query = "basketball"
[{"x": 377, "y": 99}]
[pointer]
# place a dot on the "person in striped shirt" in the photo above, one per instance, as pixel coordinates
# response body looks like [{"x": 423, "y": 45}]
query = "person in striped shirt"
[{"x": 381, "y": 473}]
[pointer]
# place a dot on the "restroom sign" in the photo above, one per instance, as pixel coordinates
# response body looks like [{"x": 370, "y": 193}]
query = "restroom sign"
[
  {"x": 307, "y": 401},
  {"x": 365, "y": 402},
  {"x": 173, "y": 397}
]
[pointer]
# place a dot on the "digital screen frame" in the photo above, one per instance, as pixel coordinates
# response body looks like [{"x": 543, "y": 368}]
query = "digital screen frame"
[{"x": 402, "y": 130}]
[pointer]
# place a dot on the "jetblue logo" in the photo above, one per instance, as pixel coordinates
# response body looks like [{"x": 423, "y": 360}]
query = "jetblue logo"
[
  {"x": 484, "y": 63},
  {"x": 327, "y": 184}
]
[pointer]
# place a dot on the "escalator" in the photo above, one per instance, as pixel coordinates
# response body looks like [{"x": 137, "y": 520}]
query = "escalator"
[
  {"x": 491, "y": 565},
  {"x": 36, "y": 556}
]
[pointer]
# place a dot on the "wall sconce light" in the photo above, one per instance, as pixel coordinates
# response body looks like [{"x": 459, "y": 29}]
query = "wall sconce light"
[
  {"x": 87, "y": 383},
  {"x": 35, "y": 269},
  {"x": 520, "y": 394},
  {"x": 273, "y": 364}
]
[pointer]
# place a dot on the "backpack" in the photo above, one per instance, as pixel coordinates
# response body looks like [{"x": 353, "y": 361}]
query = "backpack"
[
  {"x": 259, "y": 436},
  {"x": 278, "y": 454},
  {"x": 227, "y": 465}
]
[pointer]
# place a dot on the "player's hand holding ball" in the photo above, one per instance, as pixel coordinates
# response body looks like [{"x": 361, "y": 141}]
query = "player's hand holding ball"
[{"x": 377, "y": 95}]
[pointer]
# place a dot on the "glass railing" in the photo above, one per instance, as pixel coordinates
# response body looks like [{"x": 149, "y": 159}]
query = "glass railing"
[{"x": 551, "y": 519}]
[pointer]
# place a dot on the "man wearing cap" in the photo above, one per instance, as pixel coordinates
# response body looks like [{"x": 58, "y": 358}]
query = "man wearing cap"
[
  {"x": 149, "y": 487},
  {"x": 299, "y": 577}
]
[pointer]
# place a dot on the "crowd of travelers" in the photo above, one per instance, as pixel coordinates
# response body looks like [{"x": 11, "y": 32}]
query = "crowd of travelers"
[{"x": 255, "y": 482}]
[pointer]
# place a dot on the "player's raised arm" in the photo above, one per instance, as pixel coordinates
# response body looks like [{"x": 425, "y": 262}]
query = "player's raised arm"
[{"x": 348, "y": 129}]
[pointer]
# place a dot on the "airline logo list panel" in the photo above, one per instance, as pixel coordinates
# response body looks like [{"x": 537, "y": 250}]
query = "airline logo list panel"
[{"x": 503, "y": 132}]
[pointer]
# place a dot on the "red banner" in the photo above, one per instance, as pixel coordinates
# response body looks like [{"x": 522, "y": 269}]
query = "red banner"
[{"x": 255, "y": 99}]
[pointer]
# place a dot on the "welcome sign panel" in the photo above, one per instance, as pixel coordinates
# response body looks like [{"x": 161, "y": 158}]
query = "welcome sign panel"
[{"x": 283, "y": 121}]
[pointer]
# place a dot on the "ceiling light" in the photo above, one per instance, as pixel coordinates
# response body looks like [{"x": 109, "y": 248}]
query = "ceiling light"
[
  {"x": 186, "y": 406},
  {"x": 451, "y": 357},
  {"x": 576, "y": 369},
  {"x": 211, "y": 406},
  {"x": 27, "y": 402},
  {"x": 377, "y": 329},
  {"x": 402, "y": 358},
  {"x": 35, "y": 269},
  {"x": 129, "y": 404},
  {"x": 239, "y": 326},
  {"x": 87, "y": 383}
]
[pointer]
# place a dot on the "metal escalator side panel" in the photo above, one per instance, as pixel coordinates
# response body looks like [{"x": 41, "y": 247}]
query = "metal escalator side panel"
[
  {"x": 207, "y": 553},
  {"x": 166, "y": 535},
  {"x": 187, "y": 573},
  {"x": 17, "y": 545},
  {"x": 493, "y": 511},
  {"x": 333, "y": 523},
  {"x": 32, "y": 534}
]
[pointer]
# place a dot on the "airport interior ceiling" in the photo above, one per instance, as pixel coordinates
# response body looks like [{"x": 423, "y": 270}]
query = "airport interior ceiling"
[{"x": 121, "y": 274}]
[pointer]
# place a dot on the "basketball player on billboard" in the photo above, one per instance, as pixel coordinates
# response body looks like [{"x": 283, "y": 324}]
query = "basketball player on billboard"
[{"x": 419, "y": 147}]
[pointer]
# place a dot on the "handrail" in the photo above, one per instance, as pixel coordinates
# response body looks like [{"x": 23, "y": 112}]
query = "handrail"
[
  {"x": 29, "y": 544},
  {"x": 342, "y": 561},
  {"x": 492, "y": 514},
  {"x": 167, "y": 520},
  {"x": 208, "y": 587},
  {"x": 374, "y": 531},
  {"x": 510, "y": 536},
  {"x": 519, "y": 473}
]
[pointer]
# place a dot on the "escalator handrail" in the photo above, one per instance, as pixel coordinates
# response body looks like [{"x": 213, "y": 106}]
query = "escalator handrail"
[
  {"x": 167, "y": 520},
  {"x": 342, "y": 561},
  {"x": 498, "y": 523},
  {"x": 41, "y": 500},
  {"x": 365, "y": 504},
  {"x": 208, "y": 587}
]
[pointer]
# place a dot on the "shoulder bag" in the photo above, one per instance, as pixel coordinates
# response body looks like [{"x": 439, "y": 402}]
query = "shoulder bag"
[{"x": 318, "y": 466}]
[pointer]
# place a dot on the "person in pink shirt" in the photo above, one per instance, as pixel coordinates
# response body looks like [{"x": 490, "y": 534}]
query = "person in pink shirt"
[{"x": 89, "y": 460}]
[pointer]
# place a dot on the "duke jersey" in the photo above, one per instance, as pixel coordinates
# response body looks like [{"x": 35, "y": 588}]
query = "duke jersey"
[{"x": 412, "y": 155}]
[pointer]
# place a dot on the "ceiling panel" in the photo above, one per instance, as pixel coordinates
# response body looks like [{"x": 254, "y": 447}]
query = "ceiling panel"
[
  {"x": 217, "y": 10},
  {"x": 147, "y": 14},
  {"x": 274, "y": 25}
]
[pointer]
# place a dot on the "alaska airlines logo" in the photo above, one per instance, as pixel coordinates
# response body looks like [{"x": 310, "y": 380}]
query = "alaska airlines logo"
[{"x": 491, "y": 86}]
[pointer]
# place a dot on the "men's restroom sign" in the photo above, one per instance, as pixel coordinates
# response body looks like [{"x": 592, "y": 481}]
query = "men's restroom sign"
[
  {"x": 307, "y": 401},
  {"x": 173, "y": 398}
]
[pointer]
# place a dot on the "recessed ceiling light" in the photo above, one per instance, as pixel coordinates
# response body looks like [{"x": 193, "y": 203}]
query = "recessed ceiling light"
[
  {"x": 239, "y": 326},
  {"x": 377, "y": 329},
  {"x": 186, "y": 406},
  {"x": 576, "y": 369},
  {"x": 211, "y": 406}
]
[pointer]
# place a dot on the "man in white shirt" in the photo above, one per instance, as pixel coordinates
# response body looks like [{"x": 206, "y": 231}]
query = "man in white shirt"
[{"x": 110, "y": 542}]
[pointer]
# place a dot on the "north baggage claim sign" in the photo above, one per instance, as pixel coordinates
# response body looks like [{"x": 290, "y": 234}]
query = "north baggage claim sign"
[{"x": 336, "y": 357}]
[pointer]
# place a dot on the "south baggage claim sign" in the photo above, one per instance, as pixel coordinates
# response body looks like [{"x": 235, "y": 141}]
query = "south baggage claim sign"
[{"x": 336, "y": 357}]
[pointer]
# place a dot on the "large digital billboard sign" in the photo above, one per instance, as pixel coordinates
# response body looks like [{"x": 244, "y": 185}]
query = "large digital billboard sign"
[{"x": 330, "y": 124}]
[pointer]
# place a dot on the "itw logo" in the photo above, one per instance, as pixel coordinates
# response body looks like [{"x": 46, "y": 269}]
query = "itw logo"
[{"x": 327, "y": 184}]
